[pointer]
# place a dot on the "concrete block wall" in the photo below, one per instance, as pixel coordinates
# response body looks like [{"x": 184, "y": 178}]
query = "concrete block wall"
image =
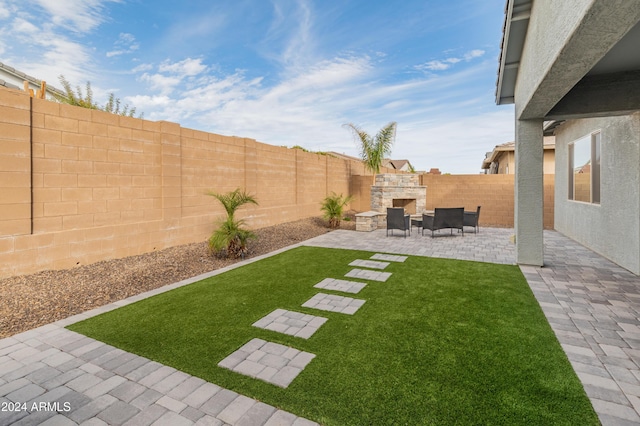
[
  {"x": 360, "y": 188},
  {"x": 495, "y": 193},
  {"x": 15, "y": 173},
  {"x": 79, "y": 186}
]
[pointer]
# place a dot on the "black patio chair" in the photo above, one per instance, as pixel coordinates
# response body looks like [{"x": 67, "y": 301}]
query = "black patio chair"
[
  {"x": 397, "y": 219},
  {"x": 472, "y": 218},
  {"x": 443, "y": 218}
]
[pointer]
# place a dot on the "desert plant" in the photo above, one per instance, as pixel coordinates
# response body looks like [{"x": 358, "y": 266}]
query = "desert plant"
[
  {"x": 85, "y": 100},
  {"x": 333, "y": 206},
  {"x": 230, "y": 236},
  {"x": 374, "y": 149}
]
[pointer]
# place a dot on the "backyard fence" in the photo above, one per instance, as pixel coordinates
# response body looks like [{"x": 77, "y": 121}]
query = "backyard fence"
[
  {"x": 495, "y": 193},
  {"x": 79, "y": 186}
]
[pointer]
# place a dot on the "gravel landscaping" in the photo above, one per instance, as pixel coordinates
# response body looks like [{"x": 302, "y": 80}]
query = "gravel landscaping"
[{"x": 29, "y": 301}]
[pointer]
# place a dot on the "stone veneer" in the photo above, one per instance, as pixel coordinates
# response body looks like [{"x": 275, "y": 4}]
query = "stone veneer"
[{"x": 397, "y": 186}]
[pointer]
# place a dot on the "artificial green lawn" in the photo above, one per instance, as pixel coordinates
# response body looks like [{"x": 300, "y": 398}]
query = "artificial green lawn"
[{"x": 441, "y": 342}]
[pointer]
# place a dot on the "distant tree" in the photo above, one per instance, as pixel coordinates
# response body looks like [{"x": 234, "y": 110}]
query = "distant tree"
[
  {"x": 374, "y": 149},
  {"x": 85, "y": 100}
]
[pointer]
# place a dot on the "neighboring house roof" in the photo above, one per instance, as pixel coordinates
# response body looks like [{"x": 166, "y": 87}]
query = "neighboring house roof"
[
  {"x": 549, "y": 143},
  {"x": 549, "y": 127},
  {"x": 9, "y": 76},
  {"x": 344, "y": 156},
  {"x": 404, "y": 165}
]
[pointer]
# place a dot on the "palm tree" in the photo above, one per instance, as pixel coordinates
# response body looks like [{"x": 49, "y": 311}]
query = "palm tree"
[
  {"x": 333, "y": 207},
  {"x": 374, "y": 149},
  {"x": 230, "y": 235}
]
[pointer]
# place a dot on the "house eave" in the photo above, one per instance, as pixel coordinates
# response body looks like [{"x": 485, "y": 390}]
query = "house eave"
[{"x": 517, "y": 15}]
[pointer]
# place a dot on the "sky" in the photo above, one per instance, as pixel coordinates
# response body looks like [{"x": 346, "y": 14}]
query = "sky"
[{"x": 283, "y": 72}]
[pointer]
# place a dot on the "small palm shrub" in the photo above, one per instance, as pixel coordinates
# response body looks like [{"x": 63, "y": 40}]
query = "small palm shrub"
[
  {"x": 231, "y": 236},
  {"x": 333, "y": 206}
]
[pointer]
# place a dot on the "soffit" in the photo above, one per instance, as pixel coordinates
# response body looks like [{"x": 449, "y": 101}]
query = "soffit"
[{"x": 514, "y": 31}]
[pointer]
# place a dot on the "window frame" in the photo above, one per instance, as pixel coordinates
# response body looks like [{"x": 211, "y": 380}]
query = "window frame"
[{"x": 595, "y": 163}]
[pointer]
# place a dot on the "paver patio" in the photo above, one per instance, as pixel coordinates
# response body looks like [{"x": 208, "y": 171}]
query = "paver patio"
[{"x": 592, "y": 305}]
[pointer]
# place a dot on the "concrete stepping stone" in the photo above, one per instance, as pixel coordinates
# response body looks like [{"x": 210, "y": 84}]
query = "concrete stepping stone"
[
  {"x": 341, "y": 285},
  {"x": 389, "y": 257},
  {"x": 334, "y": 303},
  {"x": 292, "y": 323},
  {"x": 270, "y": 362},
  {"x": 369, "y": 264},
  {"x": 368, "y": 275}
]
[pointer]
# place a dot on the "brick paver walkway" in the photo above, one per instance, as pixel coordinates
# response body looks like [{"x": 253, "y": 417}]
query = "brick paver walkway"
[
  {"x": 88, "y": 382},
  {"x": 73, "y": 379}
]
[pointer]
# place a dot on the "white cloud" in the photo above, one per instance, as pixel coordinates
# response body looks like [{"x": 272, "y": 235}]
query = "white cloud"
[
  {"x": 142, "y": 68},
  {"x": 22, "y": 26},
  {"x": 435, "y": 66},
  {"x": 445, "y": 64},
  {"x": 126, "y": 43},
  {"x": 171, "y": 74},
  {"x": 57, "y": 54},
  {"x": 161, "y": 83},
  {"x": 76, "y": 15},
  {"x": 290, "y": 39},
  {"x": 187, "y": 67},
  {"x": 476, "y": 53},
  {"x": 39, "y": 43},
  {"x": 5, "y": 13}
]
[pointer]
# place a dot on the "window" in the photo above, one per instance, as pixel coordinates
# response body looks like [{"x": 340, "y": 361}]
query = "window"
[{"x": 584, "y": 169}]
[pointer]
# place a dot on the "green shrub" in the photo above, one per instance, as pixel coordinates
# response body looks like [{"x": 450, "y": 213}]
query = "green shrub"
[
  {"x": 333, "y": 206},
  {"x": 230, "y": 236}
]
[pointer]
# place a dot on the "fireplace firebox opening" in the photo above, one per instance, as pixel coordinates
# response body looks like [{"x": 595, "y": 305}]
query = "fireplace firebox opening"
[{"x": 409, "y": 204}]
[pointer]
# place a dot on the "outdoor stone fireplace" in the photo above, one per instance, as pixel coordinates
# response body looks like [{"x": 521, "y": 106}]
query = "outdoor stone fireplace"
[
  {"x": 398, "y": 190},
  {"x": 391, "y": 190}
]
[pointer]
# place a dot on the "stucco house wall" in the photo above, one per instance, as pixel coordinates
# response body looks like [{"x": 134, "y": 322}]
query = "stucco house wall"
[{"x": 611, "y": 228}]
